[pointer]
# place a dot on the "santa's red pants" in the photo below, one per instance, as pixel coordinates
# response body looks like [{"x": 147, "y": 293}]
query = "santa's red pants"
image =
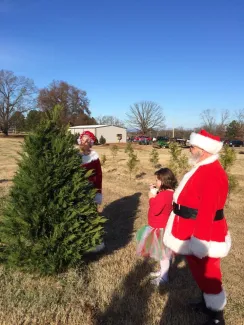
[{"x": 207, "y": 274}]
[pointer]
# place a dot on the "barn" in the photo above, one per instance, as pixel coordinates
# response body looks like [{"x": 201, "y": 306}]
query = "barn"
[{"x": 111, "y": 133}]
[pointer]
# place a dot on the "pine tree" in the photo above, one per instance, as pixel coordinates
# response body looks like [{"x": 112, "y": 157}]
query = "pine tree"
[
  {"x": 154, "y": 157},
  {"x": 50, "y": 219},
  {"x": 114, "y": 150},
  {"x": 102, "y": 140},
  {"x": 178, "y": 162},
  {"x": 227, "y": 160},
  {"x": 132, "y": 163},
  {"x": 129, "y": 149},
  {"x": 103, "y": 159}
]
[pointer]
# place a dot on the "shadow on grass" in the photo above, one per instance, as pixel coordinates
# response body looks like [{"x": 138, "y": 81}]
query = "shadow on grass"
[
  {"x": 119, "y": 228},
  {"x": 129, "y": 304},
  {"x": 121, "y": 215},
  {"x": 181, "y": 289}
]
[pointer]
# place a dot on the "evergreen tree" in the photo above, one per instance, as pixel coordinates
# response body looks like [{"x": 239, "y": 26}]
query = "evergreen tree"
[
  {"x": 129, "y": 149},
  {"x": 132, "y": 162},
  {"x": 178, "y": 162},
  {"x": 114, "y": 150},
  {"x": 50, "y": 219},
  {"x": 154, "y": 157},
  {"x": 227, "y": 160},
  {"x": 102, "y": 140}
]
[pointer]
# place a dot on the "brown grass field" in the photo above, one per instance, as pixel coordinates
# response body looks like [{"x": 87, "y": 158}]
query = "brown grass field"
[{"x": 114, "y": 287}]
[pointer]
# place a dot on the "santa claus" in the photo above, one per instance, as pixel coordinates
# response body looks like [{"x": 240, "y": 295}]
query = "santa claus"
[{"x": 197, "y": 226}]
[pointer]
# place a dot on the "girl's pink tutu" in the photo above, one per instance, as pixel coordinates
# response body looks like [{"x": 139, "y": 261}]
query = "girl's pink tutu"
[{"x": 150, "y": 243}]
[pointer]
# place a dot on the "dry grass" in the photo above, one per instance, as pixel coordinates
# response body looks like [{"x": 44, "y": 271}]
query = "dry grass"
[{"x": 114, "y": 287}]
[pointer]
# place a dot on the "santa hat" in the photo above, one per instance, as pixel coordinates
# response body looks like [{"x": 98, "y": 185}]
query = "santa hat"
[
  {"x": 206, "y": 141},
  {"x": 89, "y": 134}
]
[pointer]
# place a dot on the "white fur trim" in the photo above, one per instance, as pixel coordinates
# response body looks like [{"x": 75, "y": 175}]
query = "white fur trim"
[
  {"x": 217, "y": 249},
  {"x": 177, "y": 245},
  {"x": 195, "y": 246},
  {"x": 98, "y": 198},
  {"x": 199, "y": 248},
  {"x": 205, "y": 143},
  {"x": 215, "y": 302},
  {"x": 202, "y": 248},
  {"x": 89, "y": 158}
]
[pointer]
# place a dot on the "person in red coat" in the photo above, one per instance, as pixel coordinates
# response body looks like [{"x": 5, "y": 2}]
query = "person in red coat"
[
  {"x": 150, "y": 237},
  {"x": 90, "y": 161},
  {"x": 197, "y": 226}
]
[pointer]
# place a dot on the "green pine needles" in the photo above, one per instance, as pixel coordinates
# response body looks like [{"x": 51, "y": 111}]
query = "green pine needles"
[{"x": 51, "y": 219}]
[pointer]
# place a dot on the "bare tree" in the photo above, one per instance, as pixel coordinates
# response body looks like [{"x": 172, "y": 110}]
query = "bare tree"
[
  {"x": 16, "y": 95},
  {"x": 209, "y": 121},
  {"x": 222, "y": 126},
  {"x": 240, "y": 119},
  {"x": 109, "y": 120},
  {"x": 146, "y": 116},
  {"x": 73, "y": 100}
]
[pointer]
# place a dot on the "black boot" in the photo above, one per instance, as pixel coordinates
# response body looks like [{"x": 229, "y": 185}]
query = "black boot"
[
  {"x": 198, "y": 305},
  {"x": 215, "y": 317}
]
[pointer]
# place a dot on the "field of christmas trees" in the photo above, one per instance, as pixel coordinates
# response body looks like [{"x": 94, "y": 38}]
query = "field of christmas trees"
[{"x": 46, "y": 275}]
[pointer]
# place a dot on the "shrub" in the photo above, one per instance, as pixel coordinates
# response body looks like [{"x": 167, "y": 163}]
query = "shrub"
[
  {"x": 103, "y": 160},
  {"x": 178, "y": 161},
  {"x": 129, "y": 148},
  {"x": 50, "y": 219},
  {"x": 114, "y": 150},
  {"x": 75, "y": 137},
  {"x": 154, "y": 157},
  {"x": 102, "y": 140},
  {"x": 132, "y": 163},
  {"x": 227, "y": 160}
]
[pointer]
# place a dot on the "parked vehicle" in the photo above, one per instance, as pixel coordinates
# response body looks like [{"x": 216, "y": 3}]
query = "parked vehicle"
[
  {"x": 163, "y": 142},
  {"x": 236, "y": 143}
]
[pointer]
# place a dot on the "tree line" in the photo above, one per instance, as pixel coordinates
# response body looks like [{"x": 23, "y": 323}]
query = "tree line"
[{"x": 23, "y": 105}]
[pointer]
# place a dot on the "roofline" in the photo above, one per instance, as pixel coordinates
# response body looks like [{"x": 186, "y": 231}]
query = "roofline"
[{"x": 95, "y": 126}]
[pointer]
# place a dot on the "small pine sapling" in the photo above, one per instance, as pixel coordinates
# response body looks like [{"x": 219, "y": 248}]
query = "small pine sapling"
[
  {"x": 227, "y": 160},
  {"x": 114, "y": 150},
  {"x": 132, "y": 163},
  {"x": 103, "y": 159},
  {"x": 154, "y": 157}
]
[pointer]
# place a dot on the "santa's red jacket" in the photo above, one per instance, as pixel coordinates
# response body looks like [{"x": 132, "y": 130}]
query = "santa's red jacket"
[{"x": 204, "y": 188}]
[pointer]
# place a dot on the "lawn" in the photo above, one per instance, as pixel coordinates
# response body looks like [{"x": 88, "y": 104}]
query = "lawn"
[{"x": 114, "y": 288}]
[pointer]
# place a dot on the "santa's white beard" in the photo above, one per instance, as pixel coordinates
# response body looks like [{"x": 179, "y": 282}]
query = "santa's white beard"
[{"x": 194, "y": 159}]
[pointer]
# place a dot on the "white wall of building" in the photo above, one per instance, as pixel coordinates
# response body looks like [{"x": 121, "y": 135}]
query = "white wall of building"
[{"x": 109, "y": 132}]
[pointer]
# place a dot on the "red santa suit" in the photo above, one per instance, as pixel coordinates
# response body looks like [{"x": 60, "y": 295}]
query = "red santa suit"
[{"x": 197, "y": 226}]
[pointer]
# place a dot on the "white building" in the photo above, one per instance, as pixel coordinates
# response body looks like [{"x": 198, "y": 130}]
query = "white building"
[{"x": 110, "y": 132}]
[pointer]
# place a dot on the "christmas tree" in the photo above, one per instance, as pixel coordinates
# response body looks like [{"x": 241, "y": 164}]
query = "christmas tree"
[{"x": 51, "y": 219}]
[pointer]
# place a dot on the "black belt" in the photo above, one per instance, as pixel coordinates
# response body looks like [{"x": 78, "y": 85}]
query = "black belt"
[{"x": 189, "y": 213}]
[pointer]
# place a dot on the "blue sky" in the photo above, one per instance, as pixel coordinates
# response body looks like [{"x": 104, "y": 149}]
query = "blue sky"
[{"x": 186, "y": 55}]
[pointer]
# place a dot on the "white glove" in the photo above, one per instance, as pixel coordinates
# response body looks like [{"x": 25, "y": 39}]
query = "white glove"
[{"x": 98, "y": 198}]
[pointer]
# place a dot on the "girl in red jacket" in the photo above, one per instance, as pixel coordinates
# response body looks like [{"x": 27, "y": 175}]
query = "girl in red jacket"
[{"x": 150, "y": 237}]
